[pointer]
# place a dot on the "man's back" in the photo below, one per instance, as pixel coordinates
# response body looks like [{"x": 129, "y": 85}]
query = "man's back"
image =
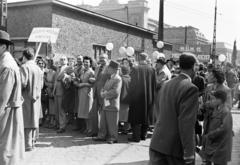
[
  {"x": 32, "y": 79},
  {"x": 174, "y": 131},
  {"x": 141, "y": 94}
]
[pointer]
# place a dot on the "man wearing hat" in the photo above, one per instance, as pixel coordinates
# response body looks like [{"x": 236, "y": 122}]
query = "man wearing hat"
[
  {"x": 11, "y": 117},
  {"x": 32, "y": 84},
  {"x": 163, "y": 74},
  {"x": 111, "y": 97},
  {"x": 141, "y": 96}
]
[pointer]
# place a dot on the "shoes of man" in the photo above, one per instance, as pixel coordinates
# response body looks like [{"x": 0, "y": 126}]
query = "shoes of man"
[
  {"x": 98, "y": 139},
  {"x": 28, "y": 149},
  {"x": 62, "y": 130},
  {"x": 112, "y": 141},
  {"x": 133, "y": 140},
  {"x": 143, "y": 137},
  {"x": 92, "y": 134},
  {"x": 77, "y": 129}
]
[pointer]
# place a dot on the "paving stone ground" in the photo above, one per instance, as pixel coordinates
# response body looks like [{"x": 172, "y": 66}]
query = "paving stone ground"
[{"x": 72, "y": 148}]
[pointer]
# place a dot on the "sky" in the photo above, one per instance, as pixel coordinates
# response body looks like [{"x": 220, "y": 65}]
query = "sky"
[{"x": 197, "y": 13}]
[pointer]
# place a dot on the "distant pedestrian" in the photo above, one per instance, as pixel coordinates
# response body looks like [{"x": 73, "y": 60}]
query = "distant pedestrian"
[
  {"x": 11, "y": 115},
  {"x": 173, "y": 140},
  {"x": 32, "y": 83}
]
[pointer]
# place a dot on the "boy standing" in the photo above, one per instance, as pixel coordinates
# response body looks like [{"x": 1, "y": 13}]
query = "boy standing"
[{"x": 217, "y": 139}]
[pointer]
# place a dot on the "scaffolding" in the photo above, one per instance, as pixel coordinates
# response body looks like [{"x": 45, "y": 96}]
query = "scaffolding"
[{"x": 3, "y": 14}]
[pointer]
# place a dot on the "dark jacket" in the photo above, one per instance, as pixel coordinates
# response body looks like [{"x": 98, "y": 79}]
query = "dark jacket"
[
  {"x": 125, "y": 88},
  {"x": 174, "y": 132},
  {"x": 141, "y": 94}
]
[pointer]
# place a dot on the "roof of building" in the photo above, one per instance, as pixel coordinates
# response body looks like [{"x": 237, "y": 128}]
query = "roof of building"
[{"x": 79, "y": 9}]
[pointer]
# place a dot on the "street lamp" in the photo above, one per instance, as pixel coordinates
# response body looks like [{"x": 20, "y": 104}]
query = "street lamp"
[{"x": 161, "y": 23}]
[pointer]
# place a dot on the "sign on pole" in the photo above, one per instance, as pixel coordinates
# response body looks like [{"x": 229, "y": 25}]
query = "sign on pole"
[{"x": 44, "y": 35}]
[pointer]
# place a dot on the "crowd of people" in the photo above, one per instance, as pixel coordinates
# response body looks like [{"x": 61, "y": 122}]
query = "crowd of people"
[{"x": 187, "y": 104}]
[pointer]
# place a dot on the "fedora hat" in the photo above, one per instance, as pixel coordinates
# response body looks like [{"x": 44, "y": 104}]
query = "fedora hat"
[
  {"x": 5, "y": 38},
  {"x": 114, "y": 64}
]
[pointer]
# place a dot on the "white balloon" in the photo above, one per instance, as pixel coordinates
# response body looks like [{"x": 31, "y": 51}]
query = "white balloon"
[
  {"x": 221, "y": 57},
  {"x": 109, "y": 46},
  {"x": 160, "y": 44},
  {"x": 155, "y": 55},
  {"x": 130, "y": 51},
  {"x": 122, "y": 50},
  {"x": 211, "y": 61},
  {"x": 161, "y": 55}
]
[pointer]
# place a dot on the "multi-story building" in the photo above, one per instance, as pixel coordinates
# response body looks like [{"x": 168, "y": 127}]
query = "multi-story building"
[{"x": 135, "y": 12}]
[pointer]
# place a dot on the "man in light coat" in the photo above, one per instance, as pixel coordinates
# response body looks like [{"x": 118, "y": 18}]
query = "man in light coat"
[
  {"x": 173, "y": 140},
  {"x": 11, "y": 118},
  {"x": 111, "y": 104},
  {"x": 32, "y": 83},
  {"x": 58, "y": 91}
]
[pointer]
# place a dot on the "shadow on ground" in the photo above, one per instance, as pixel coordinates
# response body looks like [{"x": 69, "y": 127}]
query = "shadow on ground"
[
  {"x": 130, "y": 163},
  {"x": 49, "y": 138}
]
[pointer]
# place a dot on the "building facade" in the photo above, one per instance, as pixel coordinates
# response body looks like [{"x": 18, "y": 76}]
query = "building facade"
[
  {"x": 185, "y": 35},
  {"x": 82, "y": 32}
]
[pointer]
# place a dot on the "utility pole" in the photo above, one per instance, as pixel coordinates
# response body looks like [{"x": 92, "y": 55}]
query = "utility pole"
[
  {"x": 161, "y": 23},
  {"x": 127, "y": 9},
  {"x": 3, "y": 15},
  {"x": 214, "y": 34},
  {"x": 185, "y": 38}
]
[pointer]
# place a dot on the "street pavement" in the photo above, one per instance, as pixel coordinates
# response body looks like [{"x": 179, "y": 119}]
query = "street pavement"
[{"x": 73, "y": 148}]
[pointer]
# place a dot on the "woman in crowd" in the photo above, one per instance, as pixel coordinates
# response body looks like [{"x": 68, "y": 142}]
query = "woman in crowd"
[
  {"x": 44, "y": 95},
  {"x": 49, "y": 82},
  {"x": 85, "y": 93},
  {"x": 216, "y": 79},
  {"x": 127, "y": 63}
]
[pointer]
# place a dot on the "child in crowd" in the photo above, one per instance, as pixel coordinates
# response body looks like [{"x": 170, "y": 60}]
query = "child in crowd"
[{"x": 217, "y": 138}]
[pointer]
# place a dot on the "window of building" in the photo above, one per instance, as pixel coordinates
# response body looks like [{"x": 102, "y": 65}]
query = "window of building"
[
  {"x": 100, "y": 49},
  {"x": 137, "y": 53}
]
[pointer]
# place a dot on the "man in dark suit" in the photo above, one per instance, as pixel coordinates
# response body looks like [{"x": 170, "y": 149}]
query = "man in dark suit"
[
  {"x": 173, "y": 141},
  {"x": 141, "y": 95}
]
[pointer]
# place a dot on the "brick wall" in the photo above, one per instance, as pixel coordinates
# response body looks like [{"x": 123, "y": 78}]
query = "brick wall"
[
  {"x": 80, "y": 31},
  {"x": 22, "y": 19}
]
